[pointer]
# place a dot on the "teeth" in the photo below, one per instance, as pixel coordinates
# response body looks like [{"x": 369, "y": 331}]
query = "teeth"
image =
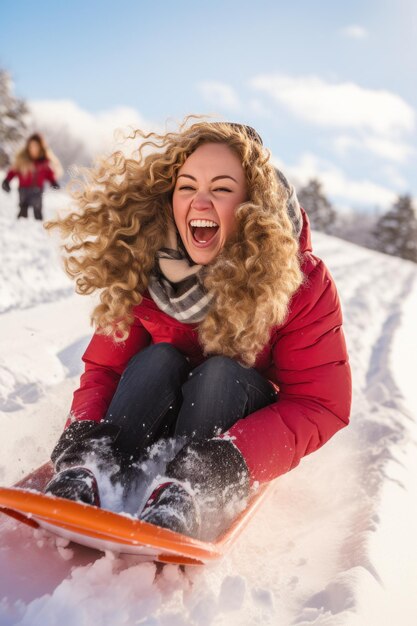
[{"x": 202, "y": 223}]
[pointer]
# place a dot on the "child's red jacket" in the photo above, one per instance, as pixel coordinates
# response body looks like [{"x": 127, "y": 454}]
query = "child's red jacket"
[
  {"x": 306, "y": 358},
  {"x": 35, "y": 177}
]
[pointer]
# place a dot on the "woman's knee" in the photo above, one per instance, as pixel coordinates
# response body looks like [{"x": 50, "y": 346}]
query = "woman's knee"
[
  {"x": 160, "y": 364},
  {"x": 161, "y": 355},
  {"x": 215, "y": 370},
  {"x": 213, "y": 399}
]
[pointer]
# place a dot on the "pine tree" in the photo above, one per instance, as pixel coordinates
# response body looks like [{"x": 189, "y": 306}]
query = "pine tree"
[
  {"x": 321, "y": 213},
  {"x": 396, "y": 230},
  {"x": 12, "y": 125}
]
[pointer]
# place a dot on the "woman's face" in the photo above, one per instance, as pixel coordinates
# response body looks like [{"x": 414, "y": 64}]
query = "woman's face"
[
  {"x": 209, "y": 187},
  {"x": 34, "y": 149}
]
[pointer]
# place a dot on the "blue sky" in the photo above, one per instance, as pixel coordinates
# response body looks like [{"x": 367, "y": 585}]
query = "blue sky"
[{"x": 330, "y": 86}]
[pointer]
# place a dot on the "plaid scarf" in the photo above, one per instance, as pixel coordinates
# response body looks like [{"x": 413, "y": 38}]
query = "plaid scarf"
[{"x": 176, "y": 283}]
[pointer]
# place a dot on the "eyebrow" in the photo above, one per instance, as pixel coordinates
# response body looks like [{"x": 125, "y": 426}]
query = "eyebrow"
[{"x": 212, "y": 180}]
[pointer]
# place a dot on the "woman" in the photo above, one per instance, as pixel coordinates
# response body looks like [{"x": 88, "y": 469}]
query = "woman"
[
  {"x": 32, "y": 166},
  {"x": 217, "y": 325}
]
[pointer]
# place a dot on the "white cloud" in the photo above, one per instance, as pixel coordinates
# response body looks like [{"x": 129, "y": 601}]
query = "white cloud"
[
  {"x": 354, "y": 31},
  {"x": 394, "y": 177},
  {"x": 338, "y": 105},
  {"x": 384, "y": 147},
  {"x": 96, "y": 131},
  {"x": 359, "y": 192},
  {"x": 219, "y": 94},
  {"x": 258, "y": 107}
]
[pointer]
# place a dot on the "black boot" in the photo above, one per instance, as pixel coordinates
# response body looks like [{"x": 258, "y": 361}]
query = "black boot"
[
  {"x": 214, "y": 467},
  {"x": 83, "y": 442},
  {"x": 75, "y": 483},
  {"x": 172, "y": 506},
  {"x": 219, "y": 479},
  {"x": 86, "y": 438}
]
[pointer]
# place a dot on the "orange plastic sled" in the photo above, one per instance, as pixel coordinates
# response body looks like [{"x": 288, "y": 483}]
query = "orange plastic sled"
[{"x": 105, "y": 530}]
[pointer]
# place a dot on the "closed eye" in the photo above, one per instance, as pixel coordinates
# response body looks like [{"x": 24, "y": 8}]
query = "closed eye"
[{"x": 188, "y": 188}]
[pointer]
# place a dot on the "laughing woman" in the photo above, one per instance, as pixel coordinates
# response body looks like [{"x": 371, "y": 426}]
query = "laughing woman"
[{"x": 217, "y": 325}]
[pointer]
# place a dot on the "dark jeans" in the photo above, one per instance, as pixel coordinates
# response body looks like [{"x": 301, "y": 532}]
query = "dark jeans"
[
  {"x": 160, "y": 395},
  {"x": 30, "y": 196}
]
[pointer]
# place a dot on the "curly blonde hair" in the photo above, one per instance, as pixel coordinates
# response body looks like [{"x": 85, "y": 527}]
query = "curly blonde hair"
[{"x": 124, "y": 211}]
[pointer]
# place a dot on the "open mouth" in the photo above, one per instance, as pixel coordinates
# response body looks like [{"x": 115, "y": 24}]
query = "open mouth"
[{"x": 203, "y": 231}]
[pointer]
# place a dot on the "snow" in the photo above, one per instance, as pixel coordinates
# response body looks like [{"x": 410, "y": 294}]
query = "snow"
[{"x": 333, "y": 545}]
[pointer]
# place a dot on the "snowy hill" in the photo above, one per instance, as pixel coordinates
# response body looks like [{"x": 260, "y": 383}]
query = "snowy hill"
[{"x": 335, "y": 542}]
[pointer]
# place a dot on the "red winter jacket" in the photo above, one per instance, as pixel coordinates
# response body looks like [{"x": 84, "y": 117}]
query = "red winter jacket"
[
  {"x": 35, "y": 177},
  {"x": 306, "y": 357}
]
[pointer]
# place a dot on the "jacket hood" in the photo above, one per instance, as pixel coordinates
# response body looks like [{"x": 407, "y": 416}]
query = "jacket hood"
[{"x": 305, "y": 235}]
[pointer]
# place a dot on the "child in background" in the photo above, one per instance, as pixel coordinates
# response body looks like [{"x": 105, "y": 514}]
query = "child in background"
[{"x": 33, "y": 165}]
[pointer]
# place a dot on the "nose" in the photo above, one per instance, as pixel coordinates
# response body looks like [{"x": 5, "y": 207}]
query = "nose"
[{"x": 201, "y": 201}]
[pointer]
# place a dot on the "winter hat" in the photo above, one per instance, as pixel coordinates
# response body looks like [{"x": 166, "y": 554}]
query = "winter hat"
[{"x": 293, "y": 206}]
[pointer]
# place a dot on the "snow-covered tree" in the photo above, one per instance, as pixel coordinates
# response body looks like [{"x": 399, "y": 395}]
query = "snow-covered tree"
[
  {"x": 396, "y": 231},
  {"x": 319, "y": 209},
  {"x": 12, "y": 124},
  {"x": 357, "y": 225}
]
